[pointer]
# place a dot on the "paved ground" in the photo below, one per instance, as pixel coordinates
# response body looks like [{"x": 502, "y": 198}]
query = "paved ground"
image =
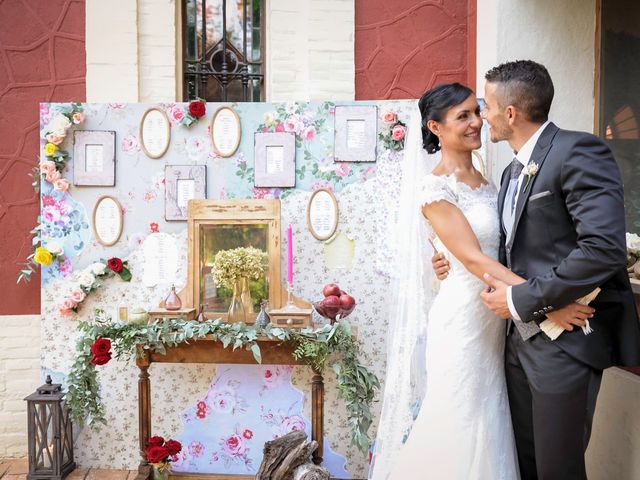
[{"x": 12, "y": 469}]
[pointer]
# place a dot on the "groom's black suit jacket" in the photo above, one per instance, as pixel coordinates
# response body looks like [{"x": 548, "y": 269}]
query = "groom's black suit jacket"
[{"x": 569, "y": 238}]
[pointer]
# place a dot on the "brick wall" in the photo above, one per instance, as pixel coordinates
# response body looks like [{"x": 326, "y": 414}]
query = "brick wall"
[{"x": 19, "y": 377}]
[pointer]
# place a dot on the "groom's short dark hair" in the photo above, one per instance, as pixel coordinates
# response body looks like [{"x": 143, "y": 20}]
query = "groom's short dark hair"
[{"x": 526, "y": 85}]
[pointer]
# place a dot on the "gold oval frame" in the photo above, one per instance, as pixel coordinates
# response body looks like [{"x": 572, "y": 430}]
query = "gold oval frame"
[
  {"x": 142, "y": 145},
  {"x": 334, "y": 228},
  {"x": 238, "y": 128},
  {"x": 93, "y": 218}
]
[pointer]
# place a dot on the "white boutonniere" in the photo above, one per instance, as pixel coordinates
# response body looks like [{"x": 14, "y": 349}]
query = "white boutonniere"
[{"x": 530, "y": 171}]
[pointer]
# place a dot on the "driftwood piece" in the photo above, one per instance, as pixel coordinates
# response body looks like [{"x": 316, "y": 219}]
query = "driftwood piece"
[
  {"x": 309, "y": 471},
  {"x": 287, "y": 457},
  {"x": 275, "y": 451},
  {"x": 297, "y": 456}
]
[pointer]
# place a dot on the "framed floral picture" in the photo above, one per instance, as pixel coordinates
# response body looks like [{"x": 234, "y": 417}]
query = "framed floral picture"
[
  {"x": 94, "y": 158},
  {"x": 275, "y": 159},
  {"x": 183, "y": 183},
  {"x": 355, "y": 134}
]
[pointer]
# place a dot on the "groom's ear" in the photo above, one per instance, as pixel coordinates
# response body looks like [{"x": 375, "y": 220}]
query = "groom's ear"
[{"x": 511, "y": 114}]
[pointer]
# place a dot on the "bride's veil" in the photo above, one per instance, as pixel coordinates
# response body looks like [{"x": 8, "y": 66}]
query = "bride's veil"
[{"x": 412, "y": 291}]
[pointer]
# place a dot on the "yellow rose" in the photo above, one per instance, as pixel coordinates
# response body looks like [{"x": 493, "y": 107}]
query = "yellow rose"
[
  {"x": 43, "y": 256},
  {"x": 50, "y": 149}
]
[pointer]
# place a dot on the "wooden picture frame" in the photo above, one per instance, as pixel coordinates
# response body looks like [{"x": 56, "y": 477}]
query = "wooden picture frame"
[
  {"x": 275, "y": 159},
  {"x": 322, "y": 214},
  {"x": 355, "y": 133},
  {"x": 155, "y": 132},
  {"x": 206, "y": 218},
  {"x": 108, "y": 220},
  {"x": 226, "y": 131},
  {"x": 94, "y": 158},
  {"x": 183, "y": 183}
]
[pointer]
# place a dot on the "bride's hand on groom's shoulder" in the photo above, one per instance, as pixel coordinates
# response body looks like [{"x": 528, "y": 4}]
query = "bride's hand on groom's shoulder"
[
  {"x": 572, "y": 315},
  {"x": 440, "y": 266}
]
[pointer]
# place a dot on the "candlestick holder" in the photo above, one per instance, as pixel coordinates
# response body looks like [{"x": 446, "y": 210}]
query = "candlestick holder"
[{"x": 291, "y": 315}]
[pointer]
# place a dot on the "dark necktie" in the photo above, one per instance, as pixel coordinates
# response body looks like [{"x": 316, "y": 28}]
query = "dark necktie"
[{"x": 515, "y": 170}]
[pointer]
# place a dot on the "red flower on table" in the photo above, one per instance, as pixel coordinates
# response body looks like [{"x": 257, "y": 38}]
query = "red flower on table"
[
  {"x": 115, "y": 264},
  {"x": 173, "y": 447},
  {"x": 197, "y": 109},
  {"x": 156, "y": 454},
  {"x": 156, "y": 441}
]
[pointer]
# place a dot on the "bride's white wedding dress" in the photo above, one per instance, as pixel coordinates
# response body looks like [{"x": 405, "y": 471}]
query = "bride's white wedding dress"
[{"x": 463, "y": 430}]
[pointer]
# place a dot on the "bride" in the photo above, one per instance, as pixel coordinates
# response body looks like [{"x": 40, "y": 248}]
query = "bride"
[{"x": 463, "y": 428}]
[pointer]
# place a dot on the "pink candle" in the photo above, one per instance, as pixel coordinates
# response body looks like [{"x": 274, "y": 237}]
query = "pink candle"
[{"x": 289, "y": 255}]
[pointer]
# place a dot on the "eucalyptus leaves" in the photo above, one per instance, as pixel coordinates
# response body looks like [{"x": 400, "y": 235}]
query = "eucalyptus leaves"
[{"x": 356, "y": 384}]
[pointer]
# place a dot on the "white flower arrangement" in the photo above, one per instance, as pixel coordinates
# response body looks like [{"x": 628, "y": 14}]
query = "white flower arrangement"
[
  {"x": 633, "y": 244},
  {"x": 231, "y": 265}
]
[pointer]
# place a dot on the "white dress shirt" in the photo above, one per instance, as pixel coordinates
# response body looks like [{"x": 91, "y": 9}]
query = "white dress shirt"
[{"x": 523, "y": 156}]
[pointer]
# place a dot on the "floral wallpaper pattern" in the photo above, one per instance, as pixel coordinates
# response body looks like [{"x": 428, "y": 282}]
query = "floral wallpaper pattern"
[{"x": 188, "y": 395}]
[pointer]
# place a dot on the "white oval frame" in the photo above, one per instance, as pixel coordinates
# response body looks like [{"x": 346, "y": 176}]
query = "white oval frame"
[
  {"x": 237, "y": 127},
  {"x": 108, "y": 242},
  {"x": 167, "y": 141},
  {"x": 322, "y": 236}
]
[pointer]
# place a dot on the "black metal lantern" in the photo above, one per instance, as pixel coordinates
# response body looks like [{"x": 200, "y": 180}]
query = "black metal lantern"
[{"x": 49, "y": 434}]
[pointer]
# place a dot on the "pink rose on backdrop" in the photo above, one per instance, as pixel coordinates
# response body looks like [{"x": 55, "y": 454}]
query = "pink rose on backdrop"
[
  {"x": 280, "y": 127},
  {"x": 116, "y": 106},
  {"x": 342, "y": 169},
  {"x": 176, "y": 113},
  {"x": 398, "y": 132},
  {"x": 248, "y": 434},
  {"x": 390, "y": 117},
  {"x": 61, "y": 184},
  {"x": 55, "y": 139},
  {"x": 308, "y": 133},
  {"x": 47, "y": 166},
  {"x": 48, "y": 200},
  {"x": 294, "y": 423},
  {"x": 130, "y": 144},
  {"x": 262, "y": 193},
  {"x": 78, "y": 117},
  {"x": 196, "y": 449},
  {"x": 52, "y": 176},
  {"x": 78, "y": 296},
  {"x": 234, "y": 445},
  {"x": 368, "y": 172},
  {"x": 293, "y": 124}
]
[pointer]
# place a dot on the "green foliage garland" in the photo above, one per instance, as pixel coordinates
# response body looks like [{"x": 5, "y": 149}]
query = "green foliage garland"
[{"x": 356, "y": 384}]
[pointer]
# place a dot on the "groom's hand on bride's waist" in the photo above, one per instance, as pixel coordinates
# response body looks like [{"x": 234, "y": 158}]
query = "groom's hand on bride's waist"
[
  {"x": 495, "y": 296},
  {"x": 440, "y": 266}
]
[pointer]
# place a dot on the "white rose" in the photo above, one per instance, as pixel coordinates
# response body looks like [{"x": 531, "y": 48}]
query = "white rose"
[
  {"x": 60, "y": 123},
  {"x": 98, "y": 268},
  {"x": 54, "y": 248},
  {"x": 633, "y": 242},
  {"x": 86, "y": 279}
]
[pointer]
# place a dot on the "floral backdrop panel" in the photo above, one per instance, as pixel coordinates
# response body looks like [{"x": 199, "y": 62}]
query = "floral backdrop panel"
[{"x": 80, "y": 274}]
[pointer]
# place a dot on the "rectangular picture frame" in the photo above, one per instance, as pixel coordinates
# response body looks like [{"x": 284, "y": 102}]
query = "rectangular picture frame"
[
  {"x": 355, "y": 133},
  {"x": 275, "y": 159},
  {"x": 94, "y": 158},
  {"x": 183, "y": 183}
]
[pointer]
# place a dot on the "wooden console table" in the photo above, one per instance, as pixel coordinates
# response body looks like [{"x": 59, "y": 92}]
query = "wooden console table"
[{"x": 211, "y": 351}]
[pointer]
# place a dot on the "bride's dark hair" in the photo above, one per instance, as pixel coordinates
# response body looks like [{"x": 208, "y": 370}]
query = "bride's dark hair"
[{"x": 434, "y": 105}]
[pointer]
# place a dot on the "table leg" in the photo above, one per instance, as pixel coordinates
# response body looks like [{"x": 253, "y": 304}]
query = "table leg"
[
  {"x": 317, "y": 415},
  {"x": 144, "y": 414}
]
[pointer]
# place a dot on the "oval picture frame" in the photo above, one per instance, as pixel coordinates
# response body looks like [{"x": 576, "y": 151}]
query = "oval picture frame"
[
  {"x": 107, "y": 220},
  {"x": 322, "y": 214},
  {"x": 226, "y": 131},
  {"x": 155, "y": 142}
]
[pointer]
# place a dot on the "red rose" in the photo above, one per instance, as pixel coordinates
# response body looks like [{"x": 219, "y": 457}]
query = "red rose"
[
  {"x": 173, "y": 447},
  {"x": 115, "y": 264},
  {"x": 197, "y": 109},
  {"x": 101, "y": 359},
  {"x": 101, "y": 346},
  {"x": 248, "y": 434},
  {"x": 156, "y": 454},
  {"x": 156, "y": 441}
]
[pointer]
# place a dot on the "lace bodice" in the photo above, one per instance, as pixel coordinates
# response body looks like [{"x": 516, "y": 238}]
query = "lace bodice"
[{"x": 478, "y": 205}]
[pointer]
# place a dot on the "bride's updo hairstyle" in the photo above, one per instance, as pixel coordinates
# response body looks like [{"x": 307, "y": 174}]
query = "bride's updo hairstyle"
[{"x": 434, "y": 105}]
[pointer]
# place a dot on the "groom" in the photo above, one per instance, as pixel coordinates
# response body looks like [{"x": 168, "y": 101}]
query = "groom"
[{"x": 562, "y": 216}]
